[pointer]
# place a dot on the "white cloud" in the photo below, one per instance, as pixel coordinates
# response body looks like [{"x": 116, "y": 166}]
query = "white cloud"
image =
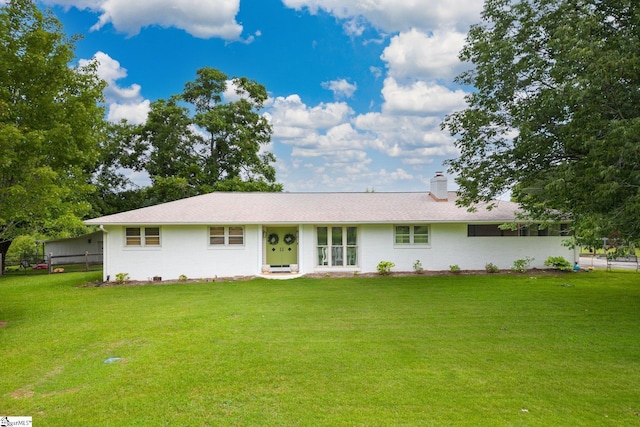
[
  {"x": 420, "y": 97},
  {"x": 354, "y": 26},
  {"x": 376, "y": 71},
  {"x": 323, "y": 143},
  {"x": 397, "y": 175},
  {"x": 135, "y": 113},
  {"x": 234, "y": 93},
  {"x": 415, "y": 54},
  {"x": 123, "y": 102},
  {"x": 415, "y": 140},
  {"x": 394, "y": 15},
  {"x": 340, "y": 88},
  {"x": 109, "y": 69},
  {"x": 407, "y": 130},
  {"x": 200, "y": 18},
  {"x": 332, "y": 148},
  {"x": 421, "y": 61},
  {"x": 291, "y": 113}
]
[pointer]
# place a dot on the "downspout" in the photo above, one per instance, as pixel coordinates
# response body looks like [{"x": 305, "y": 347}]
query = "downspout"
[{"x": 105, "y": 254}]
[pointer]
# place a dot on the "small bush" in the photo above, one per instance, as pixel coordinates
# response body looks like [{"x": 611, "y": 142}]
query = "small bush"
[
  {"x": 491, "y": 268},
  {"x": 455, "y": 268},
  {"x": 182, "y": 278},
  {"x": 558, "y": 262},
  {"x": 122, "y": 278},
  {"x": 417, "y": 266},
  {"x": 522, "y": 265},
  {"x": 384, "y": 267}
]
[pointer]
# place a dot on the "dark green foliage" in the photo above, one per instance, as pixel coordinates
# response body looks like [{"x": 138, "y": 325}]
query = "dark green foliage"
[
  {"x": 558, "y": 262},
  {"x": 50, "y": 125},
  {"x": 522, "y": 265},
  {"x": 556, "y": 115},
  {"x": 491, "y": 268},
  {"x": 384, "y": 267},
  {"x": 120, "y": 149},
  {"x": 194, "y": 143}
]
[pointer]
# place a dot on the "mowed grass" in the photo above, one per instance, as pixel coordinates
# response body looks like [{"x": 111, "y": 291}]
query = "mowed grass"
[{"x": 385, "y": 351}]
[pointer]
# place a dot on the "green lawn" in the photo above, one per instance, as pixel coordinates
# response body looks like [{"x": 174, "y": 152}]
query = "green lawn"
[{"x": 548, "y": 350}]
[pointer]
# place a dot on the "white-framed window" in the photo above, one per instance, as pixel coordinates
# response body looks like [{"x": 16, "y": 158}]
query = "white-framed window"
[
  {"x": 226, "y": 235},
  {"x": 142, "y": 236},
  {"x": 337, "y": 246},
  {"x": 408, "y": 234}
]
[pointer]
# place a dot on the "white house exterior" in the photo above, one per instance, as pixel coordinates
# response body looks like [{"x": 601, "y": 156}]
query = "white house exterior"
[{"x": 247, "y": 234}]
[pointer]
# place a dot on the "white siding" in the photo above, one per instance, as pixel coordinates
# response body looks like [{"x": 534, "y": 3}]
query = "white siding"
[
  {"x": 307, "y": 248},
  {"x": 184, "y": 250},
  {"x": 450, "y": 245}
]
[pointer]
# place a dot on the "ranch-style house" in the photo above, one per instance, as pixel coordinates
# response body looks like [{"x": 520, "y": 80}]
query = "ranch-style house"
[{"x": 226, "y": 234}]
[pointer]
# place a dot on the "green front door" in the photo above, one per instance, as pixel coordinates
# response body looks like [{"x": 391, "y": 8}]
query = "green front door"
[{"x": 282, "y": 246}]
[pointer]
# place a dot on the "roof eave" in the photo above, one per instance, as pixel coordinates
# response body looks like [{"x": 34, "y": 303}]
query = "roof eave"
[{"x": 306, "y": 222}]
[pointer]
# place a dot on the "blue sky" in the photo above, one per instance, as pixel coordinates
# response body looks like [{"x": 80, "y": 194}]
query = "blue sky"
[{"x": 358, "y": 88}]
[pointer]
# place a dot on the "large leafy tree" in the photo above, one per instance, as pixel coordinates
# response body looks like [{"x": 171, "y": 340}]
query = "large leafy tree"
[
  {"x": 118, "y": 152},
  {"x": 50, "y": 124},
  {"x": 199, "y": 141},
  {"x": 212, "y": 137},
  {"x": 555, "y": 113}
]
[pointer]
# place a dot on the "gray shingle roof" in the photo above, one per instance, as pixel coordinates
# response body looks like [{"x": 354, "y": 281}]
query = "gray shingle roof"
[{"x": 308, "y": 208}]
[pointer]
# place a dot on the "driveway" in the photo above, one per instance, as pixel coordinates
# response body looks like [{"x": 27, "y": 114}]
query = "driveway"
[{"x": 601, "y": 263}]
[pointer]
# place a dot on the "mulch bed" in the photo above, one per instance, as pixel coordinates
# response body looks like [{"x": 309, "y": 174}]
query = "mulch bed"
[
  {"x": 327, "y": 275},
  {"x": 530, "y": 272}
]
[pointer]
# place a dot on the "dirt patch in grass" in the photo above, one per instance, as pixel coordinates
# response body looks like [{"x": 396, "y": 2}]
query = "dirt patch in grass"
[
  {"x": 2, "y": 324},
  {"x": 22, "y": 393},
  {"x": 27, "y": 391}
]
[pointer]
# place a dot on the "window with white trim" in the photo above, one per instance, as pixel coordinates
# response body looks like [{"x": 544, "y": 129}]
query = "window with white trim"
[
  {"x": 411, "y": 234},
  {"x": 142, "y": 236},
  {"x": 226, "y": 236},
  {"x": 337, "y": 246}
]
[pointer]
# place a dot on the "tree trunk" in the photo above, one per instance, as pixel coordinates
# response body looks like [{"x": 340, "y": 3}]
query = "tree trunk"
[{"x": 4, "y": 248}]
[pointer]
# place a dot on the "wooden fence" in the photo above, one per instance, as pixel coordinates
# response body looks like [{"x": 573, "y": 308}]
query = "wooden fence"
[{"x": 57, "y": 263}]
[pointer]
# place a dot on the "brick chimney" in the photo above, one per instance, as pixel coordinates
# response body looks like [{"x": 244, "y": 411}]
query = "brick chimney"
[{"x": 439, "y": 187}]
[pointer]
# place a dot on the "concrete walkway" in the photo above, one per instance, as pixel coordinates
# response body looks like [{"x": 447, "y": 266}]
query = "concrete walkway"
[
  {"x": 279, "y": 276},
  {"x": 601, "y": 263}
]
